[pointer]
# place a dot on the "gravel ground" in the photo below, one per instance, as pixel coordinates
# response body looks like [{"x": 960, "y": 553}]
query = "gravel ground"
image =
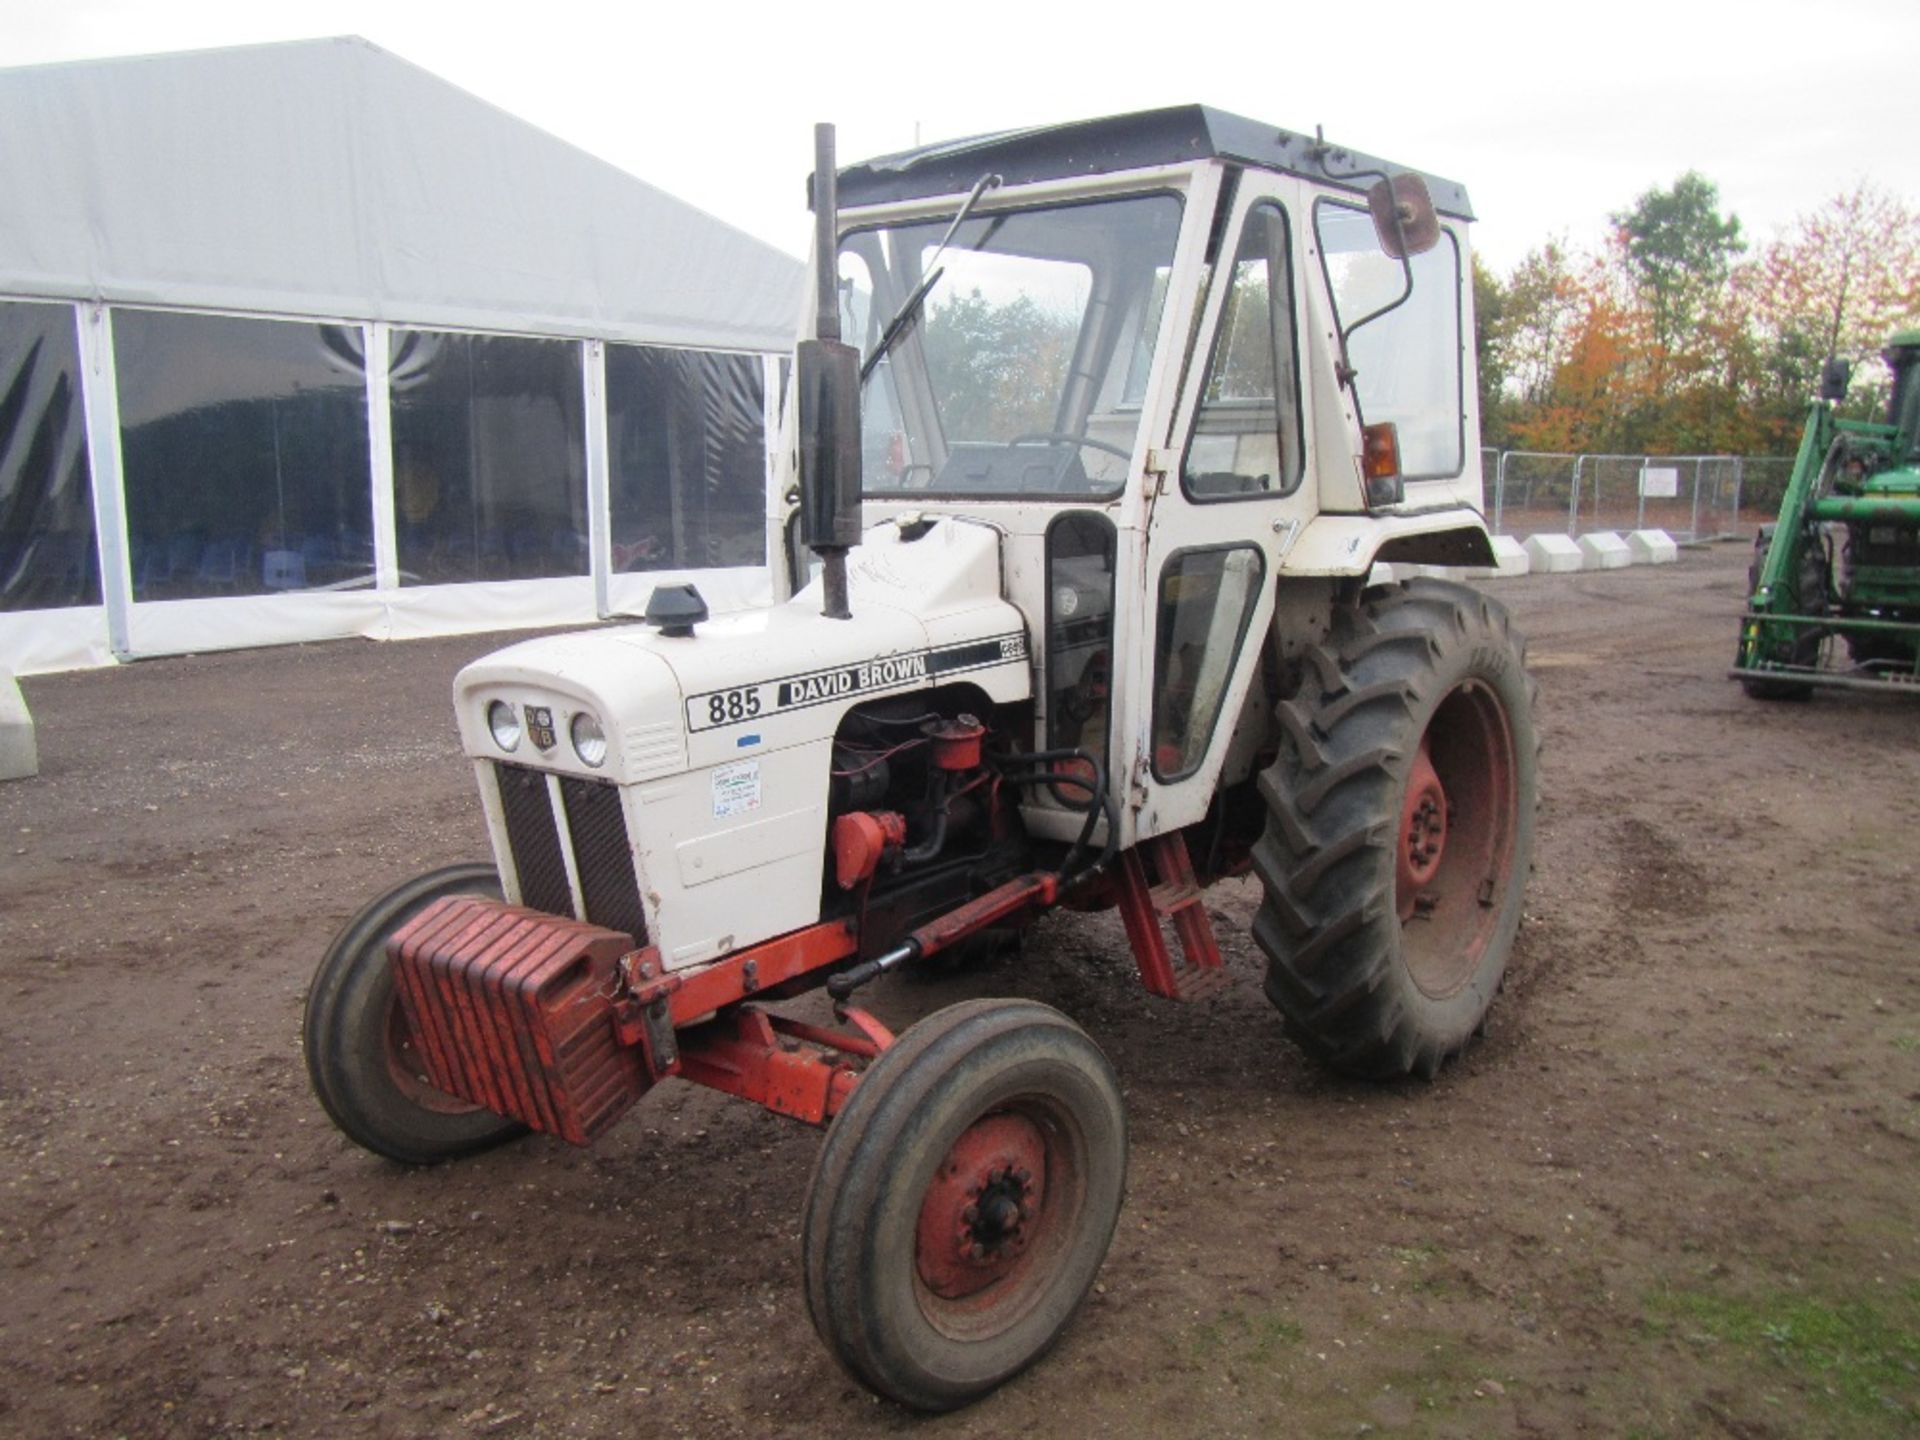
[{"x": 1672, "y": 1194}]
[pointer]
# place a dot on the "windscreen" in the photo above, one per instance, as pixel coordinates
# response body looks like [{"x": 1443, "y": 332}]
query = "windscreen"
[{"x": 1011, "y": 376}]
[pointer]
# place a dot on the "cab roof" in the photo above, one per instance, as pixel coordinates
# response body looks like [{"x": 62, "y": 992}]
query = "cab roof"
[{"x": 1177, "y": 135}]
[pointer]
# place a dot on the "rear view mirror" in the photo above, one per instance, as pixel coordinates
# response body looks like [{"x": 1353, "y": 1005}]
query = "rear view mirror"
[
  {"x": 1835, "y": 376},
  {"x": 1403, "y": 216}
]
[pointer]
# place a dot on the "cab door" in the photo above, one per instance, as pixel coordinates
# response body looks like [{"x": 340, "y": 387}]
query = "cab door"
[{"x": 1226, "y": 498}]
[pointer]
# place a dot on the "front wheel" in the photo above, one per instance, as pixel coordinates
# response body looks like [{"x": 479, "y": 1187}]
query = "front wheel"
[
  {"x": 359, "y": 1047},
  {"x": 1399, "y": 830},
  {"x": 964, "y": 1201},
  {"x": 1808, "y": 597}
]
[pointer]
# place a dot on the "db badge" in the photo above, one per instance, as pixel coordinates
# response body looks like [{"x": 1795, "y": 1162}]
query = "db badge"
[{"x": 540, "y": 726}]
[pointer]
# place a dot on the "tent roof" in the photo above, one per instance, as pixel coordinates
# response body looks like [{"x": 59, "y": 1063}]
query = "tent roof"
[{"x": 330, "y": 178}]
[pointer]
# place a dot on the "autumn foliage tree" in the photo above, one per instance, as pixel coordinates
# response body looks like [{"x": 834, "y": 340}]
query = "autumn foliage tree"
[{"x": 1672, "y": 338}]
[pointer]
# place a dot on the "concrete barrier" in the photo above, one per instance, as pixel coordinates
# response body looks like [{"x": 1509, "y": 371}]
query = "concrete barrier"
[
  {"x": 1652, "y": 547},
  {"x": 1604, "y": 550},
  {"x": 19, "y": 755},
  {"x": 1510, "y": 559},
  {"x": 1553, "y": 554}
]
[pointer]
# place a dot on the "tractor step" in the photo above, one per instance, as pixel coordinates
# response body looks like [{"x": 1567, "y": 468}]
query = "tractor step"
[
  {"x": 1170, "y": 898},
  {"x": 1200, "y": 971}
]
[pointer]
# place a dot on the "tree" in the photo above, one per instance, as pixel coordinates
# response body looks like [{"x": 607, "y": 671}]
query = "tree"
[
  {"x": 999, "y": 368},
  {"x": 1680, "y": 251},
  {"x": 1838, "y": 282},
  {"x": 1489, "y": 334},
  {"x": 1545, "y": 301}
]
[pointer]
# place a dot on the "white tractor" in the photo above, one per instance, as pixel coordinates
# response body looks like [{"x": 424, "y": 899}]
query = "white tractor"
[{"x": 1126, "y": 413}]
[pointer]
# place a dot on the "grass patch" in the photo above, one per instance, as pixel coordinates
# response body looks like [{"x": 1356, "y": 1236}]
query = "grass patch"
[
  {"x": 1857, "y": 1360},
  {"x": 1422, "y": 1280},
  {"x": 1234, "y": 1334}
]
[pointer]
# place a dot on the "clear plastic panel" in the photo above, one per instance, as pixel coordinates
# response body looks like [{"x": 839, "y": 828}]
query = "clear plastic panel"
[
  {"x": 47, "y": 554},
  {"x": 687, "y": 458},
  {"x": 244, "y": 444},
  {"x": 489, "y": 461}
]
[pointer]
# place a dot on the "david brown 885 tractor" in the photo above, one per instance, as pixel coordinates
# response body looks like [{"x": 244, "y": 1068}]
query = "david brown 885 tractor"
[
  {"x": 1843, "y": 556},
  {"x": 1139, "y": 402}
]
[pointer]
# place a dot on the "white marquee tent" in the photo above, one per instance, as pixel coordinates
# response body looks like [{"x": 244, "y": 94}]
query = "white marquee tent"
[{"x": 570, "y": 381}]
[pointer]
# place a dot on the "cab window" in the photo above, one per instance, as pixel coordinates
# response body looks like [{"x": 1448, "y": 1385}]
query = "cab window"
[
  {"x": 1407, "y": 362},
  {"x": 1246, "y": 432}
]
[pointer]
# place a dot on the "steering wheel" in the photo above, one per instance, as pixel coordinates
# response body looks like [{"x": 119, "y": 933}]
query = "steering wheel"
[{"x": 1061, "y": 437}]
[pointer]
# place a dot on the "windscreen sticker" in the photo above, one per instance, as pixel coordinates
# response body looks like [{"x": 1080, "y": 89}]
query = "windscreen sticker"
[
  {"x": 736, "y": 789},
  {"x": 715, "y": 709}
]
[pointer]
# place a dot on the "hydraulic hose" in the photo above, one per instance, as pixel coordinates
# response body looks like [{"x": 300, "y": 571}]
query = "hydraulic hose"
[{"x": 1026, "y": 768}]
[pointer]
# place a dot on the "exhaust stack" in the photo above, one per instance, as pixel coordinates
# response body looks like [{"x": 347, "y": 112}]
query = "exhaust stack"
[{"x": 827, "y": 373}]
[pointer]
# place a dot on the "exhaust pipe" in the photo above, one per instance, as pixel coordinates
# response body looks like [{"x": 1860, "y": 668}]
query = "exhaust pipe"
[{"x": 827, "y": 374}]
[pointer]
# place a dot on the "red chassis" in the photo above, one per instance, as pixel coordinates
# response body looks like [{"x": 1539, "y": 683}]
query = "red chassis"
[{"x": 561, "y": 1025}]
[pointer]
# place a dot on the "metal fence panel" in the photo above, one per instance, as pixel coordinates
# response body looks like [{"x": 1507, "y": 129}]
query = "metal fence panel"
[{"x": 1691, "y": 497}]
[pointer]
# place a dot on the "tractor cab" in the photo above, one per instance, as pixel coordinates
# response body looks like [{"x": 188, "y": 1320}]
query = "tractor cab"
[{"x": 1171, "y": 359}]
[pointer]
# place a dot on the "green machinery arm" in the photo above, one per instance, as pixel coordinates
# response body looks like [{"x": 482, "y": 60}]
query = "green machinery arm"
[{"x": 1791, "y": 606}]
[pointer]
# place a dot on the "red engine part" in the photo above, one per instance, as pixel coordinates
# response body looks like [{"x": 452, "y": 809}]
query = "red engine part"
[
  {"x": 956, "y": 742},
  {"x": 511, "y": 1009},
  {"x": 860, "y": 838}
]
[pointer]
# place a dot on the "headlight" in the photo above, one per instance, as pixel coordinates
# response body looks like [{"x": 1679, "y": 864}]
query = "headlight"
[
  {"x": 589, "y": 740},
  {"x": 504, "y": 724}
]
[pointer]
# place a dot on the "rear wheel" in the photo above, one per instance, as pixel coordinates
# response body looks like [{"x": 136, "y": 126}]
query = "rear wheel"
[
  {"x": 359, "y": 1047},
  {"x": 1399, "y": 830},
  {"x": 964, "y": 1201}
]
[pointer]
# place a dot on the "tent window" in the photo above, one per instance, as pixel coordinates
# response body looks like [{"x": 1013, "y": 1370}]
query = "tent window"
[
  {"x": 489, "y": 464},
  {"x": 687, "y": 458},
  {"x": 245, "y": 454},
  {"x": 46, "y": 509}
]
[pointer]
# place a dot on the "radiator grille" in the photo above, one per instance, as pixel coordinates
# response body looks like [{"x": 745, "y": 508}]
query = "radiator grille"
[
  {"x": 534, "y": 840},
  {"x": 602, "y": 855}
]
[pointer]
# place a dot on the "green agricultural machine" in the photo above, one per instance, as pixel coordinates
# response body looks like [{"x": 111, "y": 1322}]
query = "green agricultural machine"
[{"x": 1843, "y": 557}]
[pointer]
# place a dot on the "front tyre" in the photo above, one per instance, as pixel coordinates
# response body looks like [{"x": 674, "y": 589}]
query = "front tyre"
[
  {"x": 359, "y": 1047},
  {"x": 964, "y": 1201},
  {"x": 1808, "y": 597},
  {"x": 1399, "y": 830}
]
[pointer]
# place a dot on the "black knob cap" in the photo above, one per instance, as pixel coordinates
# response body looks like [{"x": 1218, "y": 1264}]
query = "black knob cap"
[{"x": 676, "y": 609}]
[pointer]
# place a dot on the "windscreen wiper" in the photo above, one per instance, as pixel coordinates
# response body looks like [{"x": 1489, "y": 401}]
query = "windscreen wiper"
[{"x": 910, "y": 307}]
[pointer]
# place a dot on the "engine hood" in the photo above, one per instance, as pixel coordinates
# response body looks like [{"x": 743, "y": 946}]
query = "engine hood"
[{"x": 927, "y": 608}]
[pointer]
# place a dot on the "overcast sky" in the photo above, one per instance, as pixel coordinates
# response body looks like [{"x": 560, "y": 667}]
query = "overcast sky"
[{"x": 1553, "y": 115}]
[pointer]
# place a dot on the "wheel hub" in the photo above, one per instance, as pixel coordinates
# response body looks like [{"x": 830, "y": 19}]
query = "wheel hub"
[
  {"x": 1423, "y": 832},
  {"x": 409, "y": 1071},
  {"x": 983, "y": 1207}
]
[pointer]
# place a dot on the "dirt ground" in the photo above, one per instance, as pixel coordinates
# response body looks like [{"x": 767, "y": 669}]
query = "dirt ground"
[{"x": 1672, "y": 1194}]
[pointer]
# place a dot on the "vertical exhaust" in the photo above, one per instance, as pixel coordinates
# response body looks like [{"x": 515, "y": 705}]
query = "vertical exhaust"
[{"x": 827, "y": 374}]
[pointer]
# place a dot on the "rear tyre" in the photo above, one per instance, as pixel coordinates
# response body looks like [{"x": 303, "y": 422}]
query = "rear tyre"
[
  {"x": 359, "y": 1047},
  {"x": 1399, "y": 830},
  {"x": 964, "y": 1201}
]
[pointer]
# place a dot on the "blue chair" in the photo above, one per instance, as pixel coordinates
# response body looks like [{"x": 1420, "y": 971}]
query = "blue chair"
[
  {"x": 283, "y": 570},
  {"x": 183, "y": 553},
  {"x": 220, "y": 564},
  {"x": 316, "y": 555}
]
